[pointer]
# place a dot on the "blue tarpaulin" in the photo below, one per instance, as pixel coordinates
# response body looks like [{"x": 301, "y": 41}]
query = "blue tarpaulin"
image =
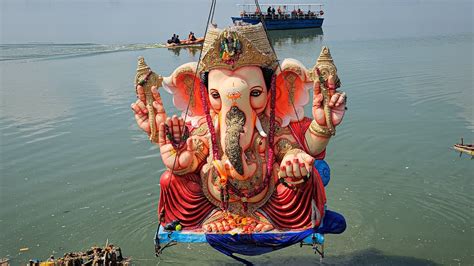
[
  {"x": 257, "y": 243},
  {"x": 261, "y": 243}
]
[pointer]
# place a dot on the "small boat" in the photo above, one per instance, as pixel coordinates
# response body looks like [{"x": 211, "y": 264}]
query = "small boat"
[
  {"x": 464, "y": 148},
  {"x": 186, "y": 43},
  {"x": 287, "y": 16}
]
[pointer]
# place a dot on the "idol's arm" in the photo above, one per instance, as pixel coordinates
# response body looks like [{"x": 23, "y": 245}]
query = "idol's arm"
[{"x": 328, "y": 111}]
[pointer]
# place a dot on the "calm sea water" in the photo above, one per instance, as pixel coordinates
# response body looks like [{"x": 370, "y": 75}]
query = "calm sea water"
[{"x": 76, "y": 171}]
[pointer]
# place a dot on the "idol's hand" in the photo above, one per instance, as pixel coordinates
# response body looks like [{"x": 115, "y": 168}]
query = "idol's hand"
[
  {"x": 180, "y": 153},
  {"x": 295, "y": 165},
  {"x": 141, "y": 111},
  {"x": 337, "y": 104}
]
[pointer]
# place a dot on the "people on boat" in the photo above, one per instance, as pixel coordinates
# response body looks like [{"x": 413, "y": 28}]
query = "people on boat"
[
  {"x": 191, "y": 36},
  {"x": 257, "y": 11},
  {"x": 171, "y": 40},
  {"x": 176, "y": 40},
  {"x": 283, "y": 12}
]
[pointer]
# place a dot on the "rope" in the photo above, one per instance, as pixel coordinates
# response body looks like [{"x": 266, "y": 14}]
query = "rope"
[
  {"x": 272, "y": 104},
  {"x": 158, "y": 248},
  {"x": 210, "y": 17},
  {"x": 313, "y": 190},
  {"x": 279, "y": 67}
]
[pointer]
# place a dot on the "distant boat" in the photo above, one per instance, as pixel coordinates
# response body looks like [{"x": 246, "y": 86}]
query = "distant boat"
[
  {"x": 282, "y": 16},
  {"x": 186, "y": 43},
  {"x": 464, "y": 148}
]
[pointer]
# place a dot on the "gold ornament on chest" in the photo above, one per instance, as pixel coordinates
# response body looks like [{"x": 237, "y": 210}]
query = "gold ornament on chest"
[
  {"x": 284, "y": 145},
  {"x": 212, "y": 181}
]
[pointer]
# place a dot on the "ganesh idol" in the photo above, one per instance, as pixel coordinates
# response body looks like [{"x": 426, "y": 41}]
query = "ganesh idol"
[{"x": 241, "y": 157}]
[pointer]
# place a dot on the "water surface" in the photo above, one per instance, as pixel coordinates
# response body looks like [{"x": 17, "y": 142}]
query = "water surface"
[{"x": 76, "y": 171}]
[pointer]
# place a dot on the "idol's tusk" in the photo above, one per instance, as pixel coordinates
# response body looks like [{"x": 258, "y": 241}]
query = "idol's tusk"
[
  {"x": 259, "y": 127},
  {"x": 216, "y": 122},
  {"x": 233, "y": 172}
]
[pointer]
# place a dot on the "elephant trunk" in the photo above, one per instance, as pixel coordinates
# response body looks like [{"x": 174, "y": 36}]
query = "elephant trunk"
[{"x": 235, "y": 121}]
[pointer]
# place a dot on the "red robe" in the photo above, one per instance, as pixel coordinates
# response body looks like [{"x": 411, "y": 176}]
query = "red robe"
[{"x": 182, "y": 198}]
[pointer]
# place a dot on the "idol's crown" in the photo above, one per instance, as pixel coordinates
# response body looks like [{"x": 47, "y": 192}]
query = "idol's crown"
[{"x": 235, "y": 47}]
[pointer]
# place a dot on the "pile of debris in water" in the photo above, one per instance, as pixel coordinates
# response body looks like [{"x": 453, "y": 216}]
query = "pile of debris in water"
[
  {"x": 4, "y": 262},
  {"x": 109, "y": 255}
]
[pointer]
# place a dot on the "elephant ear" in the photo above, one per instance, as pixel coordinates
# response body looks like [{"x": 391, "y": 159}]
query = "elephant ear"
[
  {"x": 292, "y": 91},
  {"x": 184, "y": 85}
]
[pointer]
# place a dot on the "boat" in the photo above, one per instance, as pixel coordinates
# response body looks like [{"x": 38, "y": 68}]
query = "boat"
[
  {"x": 464, "y": 148},
  {"x": 186, "y": 43},
  {"x": 286, "y": 16}
]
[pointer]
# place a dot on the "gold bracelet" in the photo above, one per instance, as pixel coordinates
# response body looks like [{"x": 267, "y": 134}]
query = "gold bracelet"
[
  {"x": 199, "y": 152},
  {"x": 294, "y": 151},
  {"x": 321, "y": 131},
  {"x": 187, "y": 170}
]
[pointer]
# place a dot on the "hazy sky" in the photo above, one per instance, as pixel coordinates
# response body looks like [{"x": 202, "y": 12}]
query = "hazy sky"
[{"x": 139, "y": 21}]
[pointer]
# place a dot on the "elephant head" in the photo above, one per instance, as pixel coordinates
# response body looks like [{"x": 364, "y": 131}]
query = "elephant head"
[
  {"x": 236, "y": 70},
  {"x": 237, "y": 99}
]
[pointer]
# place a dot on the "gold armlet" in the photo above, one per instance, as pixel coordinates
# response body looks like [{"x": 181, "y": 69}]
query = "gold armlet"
[
  {"x": 200, "y": 151},
  {"x": 180, "y": 172},
  {"x": 320, "y": 131},
  {"x": 200, "y": 155},
  {"x": 186, "y": 170},
  {"x": 294, "y": 151},
  {"x": 283, "y": 146}
]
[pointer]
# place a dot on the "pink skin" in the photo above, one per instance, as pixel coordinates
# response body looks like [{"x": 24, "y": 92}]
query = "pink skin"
[
  {"x": 337, "y": 104},
  {"x": 222, "y": 226},
  {"x": 296, "y": 166},
  {"x": 225, "y": 225},
  {"x": 213, "y": 227},
  {"x": 246, "y": 89},
  {"x": 186, "y": 156},
  {"x": 139, "y": 108},
  {"x": 259, "y": 227},
  {"x": 141, "y": 112},
  {"x": 223, "y": 82}
]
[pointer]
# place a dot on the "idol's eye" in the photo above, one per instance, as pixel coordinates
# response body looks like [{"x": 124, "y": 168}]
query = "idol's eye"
[
  {"x": 255, "y": 92},
  {"x": 215, "y": 94}
]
